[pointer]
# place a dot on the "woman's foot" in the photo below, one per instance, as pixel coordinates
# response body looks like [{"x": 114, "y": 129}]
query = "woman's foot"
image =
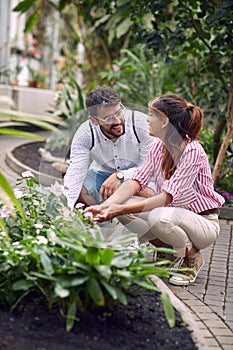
[{"x": 193, "y": 262}]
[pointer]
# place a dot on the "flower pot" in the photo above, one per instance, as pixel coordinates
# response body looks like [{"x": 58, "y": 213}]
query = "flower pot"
[{"x": 32, "y": 84}]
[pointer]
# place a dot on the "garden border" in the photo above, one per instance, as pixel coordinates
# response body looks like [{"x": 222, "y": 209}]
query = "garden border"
[
  {"x": 19, "y": 168},
  {"x": 184, "y": 312}
]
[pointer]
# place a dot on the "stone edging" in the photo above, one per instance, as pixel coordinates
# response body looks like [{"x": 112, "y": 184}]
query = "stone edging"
[
  {"x": 19, "y": 168},
  {"x": 185, "y": 314}
]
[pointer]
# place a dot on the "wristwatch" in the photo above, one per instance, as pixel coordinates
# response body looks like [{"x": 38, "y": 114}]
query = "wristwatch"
[{"x": 120, "y": 175}]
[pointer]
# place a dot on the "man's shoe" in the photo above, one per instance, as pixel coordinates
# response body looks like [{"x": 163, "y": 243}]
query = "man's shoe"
[{"x": 193, "y": 262}]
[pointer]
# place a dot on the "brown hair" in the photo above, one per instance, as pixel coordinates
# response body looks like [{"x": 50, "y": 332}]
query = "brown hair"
[
  {"x": 185, "y": 123},
  {"x": 100, "y": 96}
]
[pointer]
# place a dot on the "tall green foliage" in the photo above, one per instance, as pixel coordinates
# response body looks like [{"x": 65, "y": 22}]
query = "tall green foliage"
[{"x": 65, "y": 258}]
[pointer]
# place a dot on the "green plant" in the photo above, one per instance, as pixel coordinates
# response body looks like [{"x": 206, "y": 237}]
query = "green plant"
[
  {"x": 38, "y": 77},
  {"x": 69, "y": 106},
  {"x": 64, "y": 257},
  {"x": 224, "y": 185},
  {"x": 131, "y": 75},
  {"x": 10, "y": 118}
]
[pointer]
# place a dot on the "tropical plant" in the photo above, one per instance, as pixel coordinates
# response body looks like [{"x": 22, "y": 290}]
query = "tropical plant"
[
  {"x": 187, "y": 36},
  {"x": 10, "y": 119},
  {"x": 69, "y": 105},
  {"x": 63, "y": 256},
  {"x": 134, "y": 76}
]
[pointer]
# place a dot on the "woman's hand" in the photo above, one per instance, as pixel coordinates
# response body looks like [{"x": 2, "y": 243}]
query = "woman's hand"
[
  {"x": 93, "y": 210},
  {"x": 105, "y": 212}
]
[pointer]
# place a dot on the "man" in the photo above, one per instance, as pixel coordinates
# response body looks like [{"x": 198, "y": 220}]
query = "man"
[{"x": 106, "y": 149}]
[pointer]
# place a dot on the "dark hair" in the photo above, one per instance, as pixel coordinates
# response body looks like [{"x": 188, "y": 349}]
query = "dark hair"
[
  {"x": 101, "y": 95},
  {"x": 185, "y": 123}
]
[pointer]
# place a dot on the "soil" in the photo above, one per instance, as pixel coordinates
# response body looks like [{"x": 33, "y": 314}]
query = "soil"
[
  {"x": 140, "y": 325},
  {"x": 28, "y": 155}
]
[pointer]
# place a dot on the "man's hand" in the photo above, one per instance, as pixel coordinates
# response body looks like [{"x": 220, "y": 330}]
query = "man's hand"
[{"x": 109, "y": 187}]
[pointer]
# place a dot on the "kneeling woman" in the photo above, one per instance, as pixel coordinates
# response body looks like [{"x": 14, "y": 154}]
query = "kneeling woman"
[{"x": 183, "y": 211}]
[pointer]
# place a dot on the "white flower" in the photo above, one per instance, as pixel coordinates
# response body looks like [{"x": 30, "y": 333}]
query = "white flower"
[
  {"x": 88, "y": 215},
  {"x": 57, "y": 189},
  {"x": 79, "y": 205},
  {"x": 18, "y": 193},
  {"x": 52, "y": 236},
  {"x": 5, "y": 213},
  {"x": 38, "y": 225},
  {"x": 42, "y": 240},
  {"x": 27, "y": 174}
]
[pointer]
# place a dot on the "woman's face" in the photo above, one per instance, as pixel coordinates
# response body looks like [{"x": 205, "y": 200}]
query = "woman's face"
[{"x": 157, "y": 124}]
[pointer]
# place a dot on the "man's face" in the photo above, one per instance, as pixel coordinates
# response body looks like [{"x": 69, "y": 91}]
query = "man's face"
[{"x": 111, "y": 120}]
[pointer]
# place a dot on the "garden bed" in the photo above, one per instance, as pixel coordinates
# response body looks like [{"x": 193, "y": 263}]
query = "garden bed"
[{"x": 140, "y": 325}]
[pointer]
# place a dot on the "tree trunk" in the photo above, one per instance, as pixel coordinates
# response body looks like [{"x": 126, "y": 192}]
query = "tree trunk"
[{"x": 229, "y": 134}]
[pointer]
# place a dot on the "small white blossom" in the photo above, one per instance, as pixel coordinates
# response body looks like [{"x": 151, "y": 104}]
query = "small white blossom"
[
  {"x": 18, "y": 193},
  {"x": 42, "y": 240},
  {"x": 38, "y": 225},
  {"x": 5, "y": 213},
  {"x": 57, "y": 189},
  {"x": 79, "y": 205},
  {"x": 52, "y": 236},
  {"x": 27, "y": 174},
  {"x": 88, "y": 215}
]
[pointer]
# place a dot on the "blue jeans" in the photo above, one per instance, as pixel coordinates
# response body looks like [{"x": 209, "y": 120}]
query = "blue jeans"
[{"x": 93, "y": 182}]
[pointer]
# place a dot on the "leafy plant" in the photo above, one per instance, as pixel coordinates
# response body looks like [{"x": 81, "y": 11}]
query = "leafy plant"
[
  {"x": 69, "y": 106},
  {"x": 38, "y": 77},
  {"x": 10, "y": 119},
  {"x": 131, "y": 75},
  {"x": 64, "y": 257},
  {"x": 224, "y": 185}
]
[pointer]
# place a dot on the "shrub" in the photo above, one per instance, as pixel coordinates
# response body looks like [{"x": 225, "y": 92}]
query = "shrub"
[{"x": 64, "y": 256}]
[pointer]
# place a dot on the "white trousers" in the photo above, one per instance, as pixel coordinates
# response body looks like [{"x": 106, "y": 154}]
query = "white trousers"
[{"x": 180, "y": 228}]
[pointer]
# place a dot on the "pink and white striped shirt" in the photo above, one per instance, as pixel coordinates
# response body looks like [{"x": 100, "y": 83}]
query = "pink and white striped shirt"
[{"x": 191, "y": 185}]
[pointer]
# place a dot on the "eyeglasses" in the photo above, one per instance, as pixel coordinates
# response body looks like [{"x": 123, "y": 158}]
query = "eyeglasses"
[{"x": 110, "y": 118}]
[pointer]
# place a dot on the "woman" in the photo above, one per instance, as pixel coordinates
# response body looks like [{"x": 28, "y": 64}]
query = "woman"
[{"x": 183, "y": 211}]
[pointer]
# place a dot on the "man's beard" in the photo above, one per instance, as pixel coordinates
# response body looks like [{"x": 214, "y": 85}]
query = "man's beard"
[{"x": 111, "y": 132}]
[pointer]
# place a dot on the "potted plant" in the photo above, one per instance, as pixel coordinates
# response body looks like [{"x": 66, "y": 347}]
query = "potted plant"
[{"x": 36, "y": 78}]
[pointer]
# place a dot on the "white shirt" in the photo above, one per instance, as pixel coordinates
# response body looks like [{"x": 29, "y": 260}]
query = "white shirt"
[{"x": 125, "y": 154}]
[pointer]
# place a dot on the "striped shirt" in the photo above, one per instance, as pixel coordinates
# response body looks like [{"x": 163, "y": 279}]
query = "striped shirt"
[
  {"x": 191, "y": 185},
  {"x": 125, "y": 154}
]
